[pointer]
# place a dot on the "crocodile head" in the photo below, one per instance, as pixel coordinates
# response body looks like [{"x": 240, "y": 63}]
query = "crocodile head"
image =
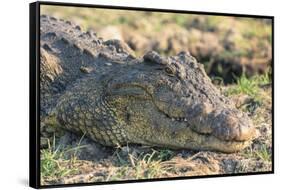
[
  {"x": 168, "y": 102},
  {"x": 171, "y": 102}
]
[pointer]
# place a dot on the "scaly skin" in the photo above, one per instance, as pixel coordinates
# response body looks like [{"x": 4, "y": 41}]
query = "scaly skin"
[{"x": 98, "y": 88}]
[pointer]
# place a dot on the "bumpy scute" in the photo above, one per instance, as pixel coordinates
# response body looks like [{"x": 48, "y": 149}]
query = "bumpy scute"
[{"x": 101, "y": 89}]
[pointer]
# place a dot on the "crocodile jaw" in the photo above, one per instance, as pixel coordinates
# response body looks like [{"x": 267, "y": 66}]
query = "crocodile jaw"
[
  {"x": 186, "y": 138},
  {"x": 225, "y": 129}
]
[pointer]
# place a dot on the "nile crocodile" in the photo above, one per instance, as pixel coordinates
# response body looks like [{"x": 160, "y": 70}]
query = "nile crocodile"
[{"x": 99, "y": 88}]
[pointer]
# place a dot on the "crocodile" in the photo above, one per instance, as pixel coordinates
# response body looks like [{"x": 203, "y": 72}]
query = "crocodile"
[{"x": 100, "y": 89}]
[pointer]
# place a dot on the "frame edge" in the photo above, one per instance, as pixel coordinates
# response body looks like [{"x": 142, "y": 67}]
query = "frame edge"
[{"x": 34, "y": 156}]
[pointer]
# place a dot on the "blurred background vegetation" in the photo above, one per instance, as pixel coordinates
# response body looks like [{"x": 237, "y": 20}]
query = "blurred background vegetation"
[{"x": 227, "y": 46}]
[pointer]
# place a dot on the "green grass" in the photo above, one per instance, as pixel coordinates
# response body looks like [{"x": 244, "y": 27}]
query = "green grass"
[
  {"x": 165, "y": 154},
  {"x": 142, "y": 166},
  {"x": 147, "y": 167},
  {"x": 250, "y": 86},
  {"x": 263, "y": 79},
  {"x": 247, "y": 86},
  {"x": 262, "y": 153},
  {"x": 54, "y": 163}
]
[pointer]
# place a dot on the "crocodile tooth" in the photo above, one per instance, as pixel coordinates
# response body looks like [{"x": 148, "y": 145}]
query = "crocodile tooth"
[
  {"x": 173, "y": 119},
  {"x": 185, "y": 119}
]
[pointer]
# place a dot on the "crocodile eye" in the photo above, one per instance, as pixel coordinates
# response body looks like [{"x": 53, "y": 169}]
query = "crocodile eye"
[{"x": 169, "y": 71}]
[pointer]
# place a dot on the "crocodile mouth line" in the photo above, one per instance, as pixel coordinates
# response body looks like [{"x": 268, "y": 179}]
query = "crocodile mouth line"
[
  {"x": 178, "y": 120},
  {"x": 206, "y": 142},
  {"x": 212, "y": 136},
  {"x": 149, "y": 97}
]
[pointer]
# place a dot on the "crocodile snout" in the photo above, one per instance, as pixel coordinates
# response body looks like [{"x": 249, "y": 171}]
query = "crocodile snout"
[{"x": 233, "y": 125}]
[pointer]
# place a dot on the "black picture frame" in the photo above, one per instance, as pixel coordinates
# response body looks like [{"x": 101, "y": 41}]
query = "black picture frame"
[{"x": 34, "y": 93}]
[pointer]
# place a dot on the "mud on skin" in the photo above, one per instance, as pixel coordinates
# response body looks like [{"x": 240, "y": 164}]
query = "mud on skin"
[{"x": 100, "y": 89}]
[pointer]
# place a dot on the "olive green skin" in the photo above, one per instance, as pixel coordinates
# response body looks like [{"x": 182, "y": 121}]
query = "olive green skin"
[{"x": 99, "y": 89}]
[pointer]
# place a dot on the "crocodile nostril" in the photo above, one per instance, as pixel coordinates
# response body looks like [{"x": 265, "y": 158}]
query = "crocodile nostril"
[
  {"x": 230, "y": 126},
  {"x": 225, "y": 128},
  {"x": 247, "y": 131}
]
